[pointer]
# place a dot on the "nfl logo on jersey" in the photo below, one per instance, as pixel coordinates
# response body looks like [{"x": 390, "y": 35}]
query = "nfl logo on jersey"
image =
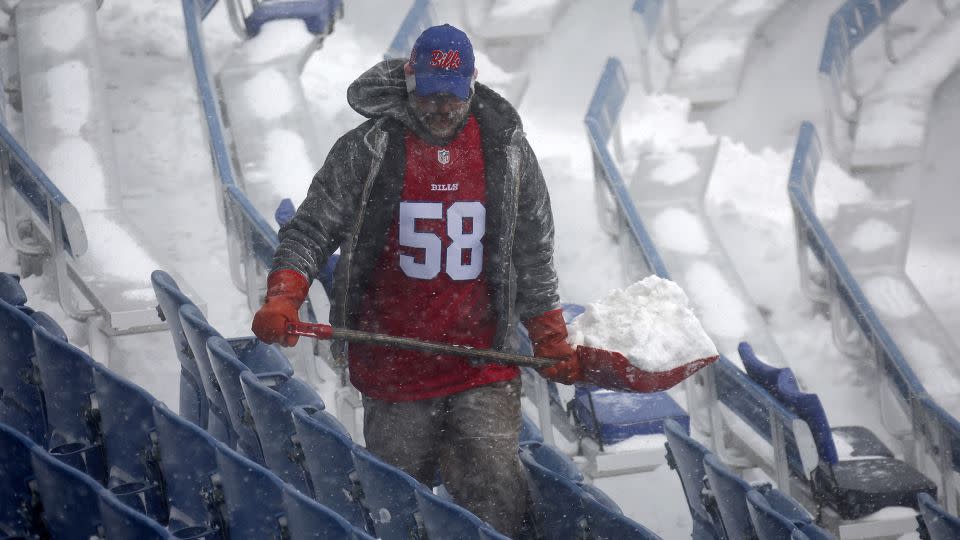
[{"x": 443, "y": 156}]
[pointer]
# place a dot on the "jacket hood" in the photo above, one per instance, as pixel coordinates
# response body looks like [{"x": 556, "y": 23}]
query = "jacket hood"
[{"x": 381, "y": 92}]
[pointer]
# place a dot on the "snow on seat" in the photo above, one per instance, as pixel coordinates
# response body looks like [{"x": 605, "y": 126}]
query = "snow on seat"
[
  {"x": 711, "y": 60},
  {"x": 891, "y": 129},
  {"x": 274, "y": 137},
  {"x": 67, "y": 131},
  {"x": 669, "y": 167}
]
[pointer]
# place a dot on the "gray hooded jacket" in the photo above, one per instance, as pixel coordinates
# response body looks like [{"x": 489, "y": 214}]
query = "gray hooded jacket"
[{"x": 354, "y": 197}]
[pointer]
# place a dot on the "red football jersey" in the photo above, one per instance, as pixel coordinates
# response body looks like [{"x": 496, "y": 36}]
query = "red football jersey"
[{"x": 429, "y": 281}]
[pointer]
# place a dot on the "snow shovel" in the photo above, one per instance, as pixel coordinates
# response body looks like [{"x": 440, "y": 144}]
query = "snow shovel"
[{"x": 603, "y": 368}]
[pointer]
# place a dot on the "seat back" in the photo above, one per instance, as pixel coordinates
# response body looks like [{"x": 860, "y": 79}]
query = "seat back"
[
  {"x": 687, "y": 456},
  {"x": 553, "y": 459},
  {"x": 19, "y": 515},
  {"x": 227, "y": 369},
  {"x": 74, "y": 432},
  {"x": 309, "y": 519},
  {"x": 388, "y": 496},
  {"x": 603, "y": 523},
  {"x": 188, "y": 461},
  {"x": 69, "y": 497},
  {"x": 940, "y": 524},
  {"x": 769, "y": 524},
  {"x": 10, "y": 290},
  {"x": 529, "y": 431},
  {"x": 193, "y": 400},
  {"x": 327, "y": 454},
  {"x": 730, "y": 493},
  {"x": 21, "y": 396},
  {"x": 810, "y": 410},
  {"x": 127, "y": 424},
  {"x": 197, "y": 331},
  {"x": 557, "y": 504},
  {"x": 253, "y": 496},
  {"x": 759, "y": 372},
  {"x": 121, "y": 521},
  {"x": 271, "y": 400},
  {"x": 444, "y": 519}
]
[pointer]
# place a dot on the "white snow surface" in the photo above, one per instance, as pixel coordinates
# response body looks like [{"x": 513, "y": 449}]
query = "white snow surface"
[
  {"x": 650, "y": 322},
  {"x": 69, "y": 86},
  {"x": 61, "y": 31},
  {"x": 680, "y": 230},
  {"x": 269, "y": 94},
  {"x": 874, "y": 234}
]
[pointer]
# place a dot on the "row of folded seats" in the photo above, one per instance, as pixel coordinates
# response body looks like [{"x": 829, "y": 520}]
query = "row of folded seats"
[{"x": 253, "y": 454}]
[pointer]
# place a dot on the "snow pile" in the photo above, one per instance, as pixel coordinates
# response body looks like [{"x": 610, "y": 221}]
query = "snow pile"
[{"x": 650, "y": 322}]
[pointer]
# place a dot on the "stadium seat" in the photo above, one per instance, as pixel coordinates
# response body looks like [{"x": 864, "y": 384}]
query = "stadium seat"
[
  {"x": 685, "y": 455},
  {"x": 388, "y": 496},
  {"x": 940, "y": 525},
  {"x": 327, "y": 455},
  {"x": 610, "y": 417},
  {"x": 69, "y": 498},
  {"x": 561, "y": 509},
  {"x": 253, "y": 496},
  {"x": 271, "y": 399},
  {"x": 188, "y": 461},
  {"x": 121, "y": 521},
  {"x": 197, "y": 330},
  {"x": 127, "y": 425},
  {"x": 553, "y": 459},
  {"x": 21, "y": 395},
  {"x": 769, "y": 524},
  {"x": 227, "y": 368},
  {"x": 19, "y": 511},
  {"x": 529, "y": 431},
  {"x": 193, "y": 400},
  {"x": 73, "y": 428},
  {"x": 729, "y": 493},
  {"x": 317, "y": 15},
  {"x": 307, "y": 518},
  {"x": 444, "y": 519},
  {"x": 10, "y": 290}
]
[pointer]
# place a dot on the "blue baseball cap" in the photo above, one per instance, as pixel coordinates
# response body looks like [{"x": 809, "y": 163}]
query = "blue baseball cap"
[{"x": 442, "y": 61}]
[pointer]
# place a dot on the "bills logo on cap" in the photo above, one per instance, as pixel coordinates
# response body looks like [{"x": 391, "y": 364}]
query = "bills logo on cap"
[
  {"x": 443, "y": 156},
  {"x": 445, "y": 60}
]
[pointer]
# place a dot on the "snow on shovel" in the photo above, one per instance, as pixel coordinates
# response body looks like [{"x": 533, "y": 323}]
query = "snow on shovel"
[{"x": 650, "y": 321}]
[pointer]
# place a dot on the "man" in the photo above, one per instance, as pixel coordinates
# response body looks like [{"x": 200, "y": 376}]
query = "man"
[{"x": 443, "y": 220}]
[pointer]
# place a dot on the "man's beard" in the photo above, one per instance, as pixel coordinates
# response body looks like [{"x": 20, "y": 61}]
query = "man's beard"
[{"x": 445, "y": 137}]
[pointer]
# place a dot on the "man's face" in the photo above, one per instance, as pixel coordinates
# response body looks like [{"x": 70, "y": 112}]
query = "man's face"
[{"x": 440, "y": 114}]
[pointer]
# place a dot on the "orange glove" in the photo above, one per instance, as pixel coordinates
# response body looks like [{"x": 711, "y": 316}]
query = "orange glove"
[
  {"x": 548, "y": 332},
  {"x": 286, "y": 290}
]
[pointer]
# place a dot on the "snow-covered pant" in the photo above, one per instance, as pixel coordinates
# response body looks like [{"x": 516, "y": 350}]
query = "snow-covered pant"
[{"x": 471, "y": 437}]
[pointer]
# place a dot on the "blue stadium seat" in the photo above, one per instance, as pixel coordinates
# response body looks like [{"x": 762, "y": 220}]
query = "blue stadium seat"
[
  {"x": 856, "y": 486},
  {"x": 253, "y": 496},
  {"x": 309, "y": 519},
  {"x": 46, "y": 322},
  {"x": 121, "y": 521},
  {"x": 73, "y": 428},
  {"x": 197, "y": 330},
  {"x": 940, "y": 525},
  {"x": 769, "y": 524},
  {"x": 685, "y": 455},
  {"x": 271, "y": 399},
  {"x": 388, "y": 496},
  {"x": 759, "y": 372},
  {"x": 729, "y": 493},
  {"x": 529, "y": 431},
  {"x": 193, "y": 400},
  {"x": 444, "y": 519},
  {"x": 127, "y": 425},
  {"x": 69, "y": 498},
  {"x": 21, "y": 395},
  {"x": 610, "y": 417},
  {"x": 19, "y": 513},
  {"x": 327, "y": 455},
  {"x": 227, "y": 368},
  {"x": 188, "y": 461},
  {"x": 553, "y": 459},
  {"x": 812, "y": 532},
  {"x": 317, "y": 15},
  {"x": 561, "y": 509},
  {"x": 10, "y": 290}
]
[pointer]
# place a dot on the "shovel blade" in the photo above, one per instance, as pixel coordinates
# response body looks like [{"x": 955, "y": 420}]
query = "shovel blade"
[{"x": 612, "y": 370}]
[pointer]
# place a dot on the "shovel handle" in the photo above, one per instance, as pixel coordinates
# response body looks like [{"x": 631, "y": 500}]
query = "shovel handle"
[{"x": 325, "y": 331}]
